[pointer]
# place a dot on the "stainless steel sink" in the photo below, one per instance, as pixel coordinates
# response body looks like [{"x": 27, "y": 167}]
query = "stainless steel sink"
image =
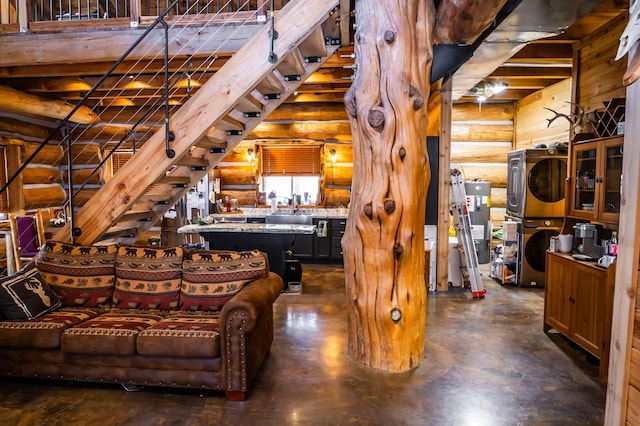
[{"x": 289, "y": 219}]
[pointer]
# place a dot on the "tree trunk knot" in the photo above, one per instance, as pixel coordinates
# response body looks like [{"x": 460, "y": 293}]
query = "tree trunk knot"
[
  {"x": 390, "y": 36},
  {"x": 412, "y": 91},
  {"x": 368, "y": 210},
  {"x": 389, "y": 206},
  {"x": 350, "y": 103},
  {"x": 376, "y": 120},
  {"x": 402, "y": 153},
  {"x": 418, "y": 102},
  {"x": 398, "y": 250}
]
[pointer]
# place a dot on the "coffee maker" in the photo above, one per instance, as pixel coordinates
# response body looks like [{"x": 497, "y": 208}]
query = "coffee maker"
[{"x": 586, "y": 237}]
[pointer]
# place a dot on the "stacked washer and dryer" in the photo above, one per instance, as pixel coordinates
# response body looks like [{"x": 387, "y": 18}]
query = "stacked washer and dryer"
[{"x": 536, "y": 201}]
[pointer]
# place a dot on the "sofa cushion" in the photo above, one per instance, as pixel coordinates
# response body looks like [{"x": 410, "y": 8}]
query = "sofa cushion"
[
  {"x": 183, "y": 334},
  {"x": 26, "y": 295},
  {"x": 111, "y": 333},
  {"x": 80, "y": 275},
  {"x": 210, "y": 279},
  {"x": 43, "y": 332},
  {"x": 148, "y": 278}
]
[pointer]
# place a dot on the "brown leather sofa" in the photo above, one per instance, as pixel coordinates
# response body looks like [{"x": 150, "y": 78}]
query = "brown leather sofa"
[{"x": 146, "y": 316}]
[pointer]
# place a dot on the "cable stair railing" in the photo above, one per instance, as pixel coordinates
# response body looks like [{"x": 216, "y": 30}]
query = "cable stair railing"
[{"x": 196, "y": 135}]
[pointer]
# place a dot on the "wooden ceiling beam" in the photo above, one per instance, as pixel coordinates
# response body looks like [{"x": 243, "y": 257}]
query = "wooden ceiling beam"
[
  {"x": 43, "y": 49},
  {"x": 98, "y": 69},
  {"x": 340, "y": 130},
  {"x": 532, "y": 72}
]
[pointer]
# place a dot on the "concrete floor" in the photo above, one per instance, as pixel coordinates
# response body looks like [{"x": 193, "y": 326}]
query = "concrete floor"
[{"x": 487, "y": 362}]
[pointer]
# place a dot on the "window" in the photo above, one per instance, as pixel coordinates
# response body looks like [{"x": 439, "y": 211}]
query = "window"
[{"x": 288, "y": 170}]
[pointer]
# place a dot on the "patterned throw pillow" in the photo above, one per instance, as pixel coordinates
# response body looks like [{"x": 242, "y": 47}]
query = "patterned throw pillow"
[
  {"x": 80, "y": 275},
  {"x": 148, "y": 278},
  {"x": 210, "y": 279},
  {"x": 25, "y": 295}
]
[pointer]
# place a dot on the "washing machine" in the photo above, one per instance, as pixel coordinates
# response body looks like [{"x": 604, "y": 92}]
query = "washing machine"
[
  {"x": 536, "y": 183},
  {"x": 534, "y": 238}
]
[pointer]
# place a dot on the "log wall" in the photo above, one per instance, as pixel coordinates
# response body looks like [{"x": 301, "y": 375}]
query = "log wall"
[
  {"x": 599, "y": 74},
  {"x": 532, "y": 125},
  {"x": 337, "y": 177},
  {"x": 238, "y": 176}
]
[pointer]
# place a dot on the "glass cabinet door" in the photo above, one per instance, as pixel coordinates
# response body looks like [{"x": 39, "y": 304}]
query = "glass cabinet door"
[
  {"x": 585, "y": 167},
  {"x": 611, "y": 174}
]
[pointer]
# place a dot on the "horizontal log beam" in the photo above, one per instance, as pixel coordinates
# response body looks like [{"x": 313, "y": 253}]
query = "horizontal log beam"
[
  {"x": 17, "y": 102},
  {"x": 40, "y": 49},
  {"x": 302, "y": 130}
]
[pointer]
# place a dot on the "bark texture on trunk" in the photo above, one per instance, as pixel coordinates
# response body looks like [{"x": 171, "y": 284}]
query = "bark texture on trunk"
[{"x": 383, "y": 243}]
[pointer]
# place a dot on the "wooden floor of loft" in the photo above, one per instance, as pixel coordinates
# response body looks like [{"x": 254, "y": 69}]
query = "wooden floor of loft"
[{"x": 486, "y": 362}]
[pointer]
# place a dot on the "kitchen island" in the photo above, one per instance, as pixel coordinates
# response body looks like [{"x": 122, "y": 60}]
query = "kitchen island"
[{"x": 273, "y": 239}]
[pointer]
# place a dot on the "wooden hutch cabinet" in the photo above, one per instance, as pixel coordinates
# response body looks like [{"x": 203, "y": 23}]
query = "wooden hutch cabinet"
[
  {"x": 578, "y": 303},
  {"x": 596, "y": 173}
]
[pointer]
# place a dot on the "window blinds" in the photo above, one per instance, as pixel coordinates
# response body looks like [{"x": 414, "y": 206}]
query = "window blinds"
[{"x": 291, "y": 160}]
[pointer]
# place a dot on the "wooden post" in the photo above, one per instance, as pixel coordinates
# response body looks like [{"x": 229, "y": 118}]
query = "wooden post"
[
  {"x": 627, "y": 276},
  {"x": 23, "y": 15},
  {"x": 444, "y": 188},
  {"x": 135, "y": 10},
  {"x": 383, "y": 243}
]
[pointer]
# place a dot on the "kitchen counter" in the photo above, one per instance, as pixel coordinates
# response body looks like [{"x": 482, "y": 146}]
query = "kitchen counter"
[
  {"x": 260, "y": 212},
  {"x": 255, "y": 228},
  {"x": 273, "y": 239}
]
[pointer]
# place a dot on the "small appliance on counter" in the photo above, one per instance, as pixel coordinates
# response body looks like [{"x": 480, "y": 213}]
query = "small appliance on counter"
[{"x": 586, "y": 237}]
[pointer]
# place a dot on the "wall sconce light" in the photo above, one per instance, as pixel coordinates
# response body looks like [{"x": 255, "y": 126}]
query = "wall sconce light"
[
  {"x": 251, "y": 155},
  {"x": 333, "y": 156}
]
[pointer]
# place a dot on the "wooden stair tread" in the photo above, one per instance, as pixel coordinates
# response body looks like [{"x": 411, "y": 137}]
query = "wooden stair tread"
[
  {"x": 271, "y": 84},
  {"x": 137, "y": 215},
  {"x": 292, "y": 64},
  {"x": 120, "y": 231},
  {"x": 189, "y": 161}
]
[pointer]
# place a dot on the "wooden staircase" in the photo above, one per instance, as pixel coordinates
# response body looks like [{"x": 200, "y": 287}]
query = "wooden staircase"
[{"x": 229, "y": 105}]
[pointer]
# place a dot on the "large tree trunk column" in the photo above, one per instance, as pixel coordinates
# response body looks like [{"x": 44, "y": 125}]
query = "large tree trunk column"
[{"x": 383, "y": 244}]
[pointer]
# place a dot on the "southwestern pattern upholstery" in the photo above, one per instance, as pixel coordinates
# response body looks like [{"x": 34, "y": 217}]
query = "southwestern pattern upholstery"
[
  {"x": 148, "y": 278},
  {"x": 143, "y": 332},
  {"x": 184, "y": 334},
  {"x": 80, "y": 275},
  {"x": 210, "y": 279}
]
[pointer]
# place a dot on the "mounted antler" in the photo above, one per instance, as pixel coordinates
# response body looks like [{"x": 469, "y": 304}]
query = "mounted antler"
[
  {"x": 574, "y": 119},
  {"x": 558, "y": 115}
]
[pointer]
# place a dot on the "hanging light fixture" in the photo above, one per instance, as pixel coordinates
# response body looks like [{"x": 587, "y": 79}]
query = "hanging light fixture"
[{"x": 333, "y": 157}]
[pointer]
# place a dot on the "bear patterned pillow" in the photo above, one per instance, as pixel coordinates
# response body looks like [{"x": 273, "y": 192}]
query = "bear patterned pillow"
[{"x": 25, "y": 295}]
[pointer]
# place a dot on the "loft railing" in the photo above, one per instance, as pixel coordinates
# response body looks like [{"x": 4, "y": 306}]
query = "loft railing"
[
  {"x": 74, "y": 10},
  {"x": 154, "y": 91}
]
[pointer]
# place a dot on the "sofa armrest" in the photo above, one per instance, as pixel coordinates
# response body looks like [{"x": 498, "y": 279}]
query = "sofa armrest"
[
  {"x": 254, "y": 299},
  {"x": 246, "y": 332}
]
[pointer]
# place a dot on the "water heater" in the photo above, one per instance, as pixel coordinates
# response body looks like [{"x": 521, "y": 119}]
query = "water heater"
[{"x": 479, "y": 205}]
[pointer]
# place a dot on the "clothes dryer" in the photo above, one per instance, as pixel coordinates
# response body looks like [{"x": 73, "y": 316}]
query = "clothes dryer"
[
  {"x": 534, "y": 238},
  {"x": 536, "y": 183}
]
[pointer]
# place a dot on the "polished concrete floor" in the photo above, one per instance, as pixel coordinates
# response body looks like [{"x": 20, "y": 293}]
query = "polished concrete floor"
[{"x": 487, "y": 362}]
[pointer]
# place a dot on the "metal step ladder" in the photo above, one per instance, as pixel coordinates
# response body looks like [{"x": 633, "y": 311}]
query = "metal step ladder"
[{"x": 462, "y": 223}]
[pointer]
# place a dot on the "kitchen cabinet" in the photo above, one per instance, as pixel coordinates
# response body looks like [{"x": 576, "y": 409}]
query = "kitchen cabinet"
[
  {"x": 596, "y": 176},
  {"x": 322, "y": 244},
  {"x": 303, "y": 246},
  {"x": 337, "y": 231},
  {"x": 578, "y": 303}
]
